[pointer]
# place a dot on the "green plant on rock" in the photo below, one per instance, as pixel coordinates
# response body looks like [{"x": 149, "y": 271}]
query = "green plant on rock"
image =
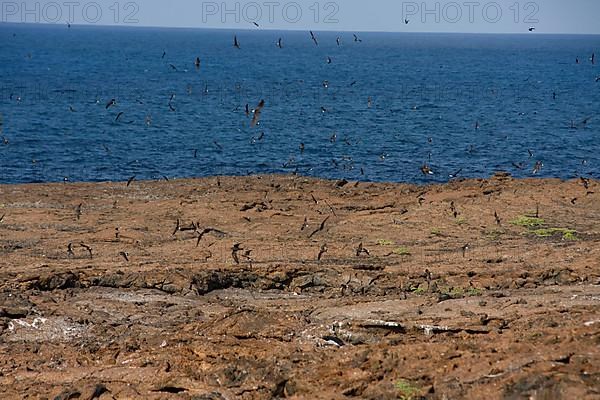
[
  {"x": 407, "y": 390},
  {"x": 461, "y": 221},
  {"x": 567, "y": 234},
  {"x": 401, "y": 251},
  {"x": 528, "y": 222},
  {"x": 472, "y": 292}
]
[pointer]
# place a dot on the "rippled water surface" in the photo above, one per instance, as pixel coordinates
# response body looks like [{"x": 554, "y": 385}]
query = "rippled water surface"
[{"x": 380, "y": 110}]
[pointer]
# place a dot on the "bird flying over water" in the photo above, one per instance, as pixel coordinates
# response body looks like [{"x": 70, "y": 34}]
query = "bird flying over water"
[
  {"x": 455, "y": 174},
  {"x": 593, "y": 58},
  {"x": 111, "y": 103},
  {"x": 338, "y": 41},
  {"x": 356, "y": 39},
  {"x": 406, "y": 21},
  {"x": 197, "y": 63},
  {"x": 531, "y": 29},
  {"x": 236, "y": 44},
  {"x": 426, "y": 170},
  {"x": 257, "y": 112},
  {"x": 279, "y": 43},
  {"x": 312, "y": 36}
]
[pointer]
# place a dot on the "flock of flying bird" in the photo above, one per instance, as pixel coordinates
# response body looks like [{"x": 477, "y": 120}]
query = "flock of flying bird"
[
  {"x": 237, "y": 250},
  {"x": 255, "y": 113}
]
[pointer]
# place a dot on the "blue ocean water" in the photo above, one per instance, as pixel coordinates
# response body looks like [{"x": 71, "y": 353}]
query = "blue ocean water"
[{"x": 381, "y": 109}]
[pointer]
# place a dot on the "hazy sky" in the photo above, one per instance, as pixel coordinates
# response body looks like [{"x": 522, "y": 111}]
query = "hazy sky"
[{"x": 547, "y": 16}]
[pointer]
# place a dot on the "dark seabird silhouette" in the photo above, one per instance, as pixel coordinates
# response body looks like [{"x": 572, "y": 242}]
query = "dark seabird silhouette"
[
  {"x": 177, "y": 227},
  {"x": 111, "y": 103},
  {"x": 257, "y": 112},
  {"x": 234, "y": 250},
  {"x": 197, "y": 63},
  {"x": 280, "y": 43},
  {"x": 455, "y": 174},
  {"x": 338, "y": 41},
  {"x": 593, "y": 58},
  {"x": 70, "y": 252},
  {"x": 255, "y": 24},
  {"x": 426, "y": 170},
  {"x": 312, "y": 36},
  {"x": 320, "y": 228},
  {"x": 465, "y": 248},
  {"x": 236, "y": 44},
  {"x": 360, "y": 250},
  {"x": 585, "y": 182},
  {"x": 531, "y": 29},
  {"x": 304, "y": 224},
  {"x": 356, "y": 38},
  {"x": 406, "y": 21},
  {"x": 322, "y": 251},
  {"x": 125, "y": 255},
  {"x": 88, "y": 248},
  {"x": 585, "y": 121}
]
